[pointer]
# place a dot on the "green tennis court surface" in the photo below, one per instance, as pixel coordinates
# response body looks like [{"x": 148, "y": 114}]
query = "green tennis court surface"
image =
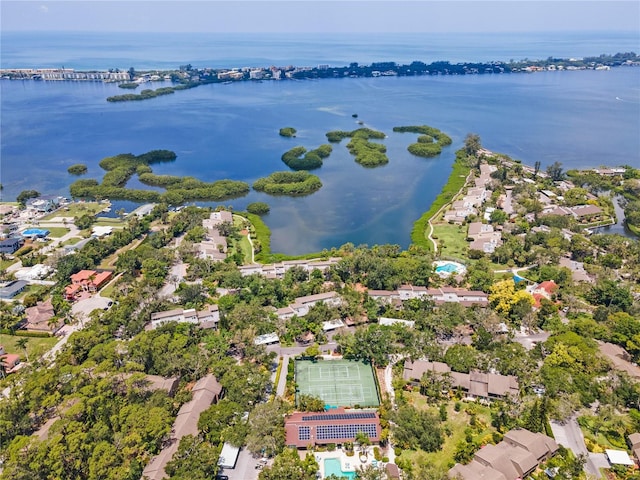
[{"x": 339, "y": 383}]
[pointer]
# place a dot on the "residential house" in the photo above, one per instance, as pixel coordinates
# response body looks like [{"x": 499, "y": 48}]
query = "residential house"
[
  {"x": 609, "y": 172},
  {"x": 388, "y": 322},
  {"x": 278, "y": 270},
  {"x": 335, "y": 426},
  {"x": 10, "y": 245},
  {"x": 546, "y": 289},
  {"x": 39, "y": 318},
  {"x": 206, "y": 391},
  {"x": 514, "y": 458},
  {"x": 87, "y": 281},
  {"x": 44, "y": 203},
  {"x": 10, "y": 361},
  {"x": 442, "y": 295},
  {"x": 634, "y": 443},
  {"x": 578, "y": 272},
  {"x": 207, "y": 318},
  {"x": 8, "y": 290},
  {"x": 36, "y": 272},
  {"x": 267, "y": 339},
  {"x": 486, "y": 386},
  {"x": 301, "y": 305}
]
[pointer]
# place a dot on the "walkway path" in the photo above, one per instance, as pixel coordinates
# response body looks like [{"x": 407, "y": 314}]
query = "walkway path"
[
  {"x": 570, "y": 436},
  {"x": 253, "y": 252},
  {"x": 435, "y": 215},
  {"x": 282, "y": 381}
]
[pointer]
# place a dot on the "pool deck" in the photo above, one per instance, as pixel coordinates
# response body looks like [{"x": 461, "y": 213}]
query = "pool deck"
[
  {"x": 347, "y": 464},
  {"x": 459, "y": 269}
]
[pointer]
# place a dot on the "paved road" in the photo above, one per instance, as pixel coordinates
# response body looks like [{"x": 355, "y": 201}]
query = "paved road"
[
  {"x": 282, "y": 381},
  {"x": 529, "y": 341},
  {"x": 620, "y": 358},
  {"x": 245, "y": 467},
  {"x": 569, "y": 435}
]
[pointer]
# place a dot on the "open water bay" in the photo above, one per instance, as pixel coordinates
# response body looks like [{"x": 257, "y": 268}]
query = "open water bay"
[{"x": 579, "y": 118}]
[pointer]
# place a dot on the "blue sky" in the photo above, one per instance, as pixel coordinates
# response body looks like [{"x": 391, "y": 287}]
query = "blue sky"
[{"x": 322, "y": 16}]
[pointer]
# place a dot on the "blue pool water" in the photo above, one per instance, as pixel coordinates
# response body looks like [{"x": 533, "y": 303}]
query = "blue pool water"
[
  {"x": 448, "y": 267},
  {"x": 332, "y": 467},
  {"x": 38, "y": 232}
]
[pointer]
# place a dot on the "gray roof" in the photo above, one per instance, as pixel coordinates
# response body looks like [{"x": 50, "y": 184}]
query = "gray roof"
[
  {"x": 539, "y": 445},
  {"x": 9, "y": 290},
  {"x": 205, "y": 391},
  {"x": 634, "y": 440},
  {"x": 475, "y": 471}
]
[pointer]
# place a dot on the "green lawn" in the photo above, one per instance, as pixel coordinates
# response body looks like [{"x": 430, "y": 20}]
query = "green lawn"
[
  {"x": 243, "y": 244},
  {"x": 451, "y": 240},
  {"x": 35, "y": 346},
  {"x": 57, "y": 232},
  {"x": 4, "y": 264},
  {"x": 77, "y": 209},
  {"x": 456, "y": 422},
  {"x": 72, "y": 241},
  {"x": 110, "y": 222}
]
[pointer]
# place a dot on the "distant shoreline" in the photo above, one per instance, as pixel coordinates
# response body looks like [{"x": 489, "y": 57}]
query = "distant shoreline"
[{"x": 186, "y": 76}]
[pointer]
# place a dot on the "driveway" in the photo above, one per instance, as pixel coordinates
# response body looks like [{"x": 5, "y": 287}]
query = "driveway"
[
  {"x": 530, "y": 341},
  {"x": 88, "y": 305},
  {"x": 570, "y": 436},
  {"x": 245, "y": 467},
  {"x": 620, "y": 358}
]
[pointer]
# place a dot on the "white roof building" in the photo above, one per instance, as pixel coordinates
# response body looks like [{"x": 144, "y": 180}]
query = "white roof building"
[
  {"x": 396, "y": 321},
  {"x": 618, "y": 457},
  {"x": 267, "y": 339}
]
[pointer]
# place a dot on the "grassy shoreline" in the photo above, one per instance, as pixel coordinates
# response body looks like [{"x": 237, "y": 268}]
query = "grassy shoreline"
[{"x": 455, "y": 182}]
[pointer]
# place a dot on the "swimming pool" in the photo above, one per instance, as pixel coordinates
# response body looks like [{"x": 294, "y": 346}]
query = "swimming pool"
[
  {"x": 35, "y": 232},
  {"x": 332, "y": 467},
  {"x": 448, "y": 268}
]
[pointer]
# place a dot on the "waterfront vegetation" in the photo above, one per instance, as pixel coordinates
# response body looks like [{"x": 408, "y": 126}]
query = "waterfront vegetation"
[
  {"x": 258, "y": 208},
  {"x": 430, "y": 141},
  {"x": 121, "y": 168},
  {"x": 77, "y": 169},
  {"x": 261, "y": 236},
  {"x": 288, "y": 132},
  {"x": 456, "y": 181},
  {"x": 129, "y": 85},
  {"x": 148, "y": 93},
  {"x": 298, "y": 158},
  {"x": 288, "y": 183},
  {"x": 366, "y": 153}
]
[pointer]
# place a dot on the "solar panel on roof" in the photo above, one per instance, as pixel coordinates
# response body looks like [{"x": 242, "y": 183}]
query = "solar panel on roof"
[
  {"x": 328, "y": 432},
  {"x": 304, "y": 433},
  {"x": 338, "y": 416}
]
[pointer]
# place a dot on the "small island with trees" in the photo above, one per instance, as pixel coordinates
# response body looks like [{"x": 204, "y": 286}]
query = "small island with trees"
[
  {"x": 77, "y": 169},
  {"x": 368, "y": 154},
  {"x": 288, "y": 132},
  {"x": 121, "y": 168},
  {"x": 430, "y": 141},
  {"x": 298, "y": 158},
  {"x": 294, "y": 184}
]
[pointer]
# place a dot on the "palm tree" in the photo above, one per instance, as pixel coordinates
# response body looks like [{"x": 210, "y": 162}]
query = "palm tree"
[
  {"x": 3, "y": 367},
  {"x": 22, "y": 343},
  {"x": 363, "y": 441}
]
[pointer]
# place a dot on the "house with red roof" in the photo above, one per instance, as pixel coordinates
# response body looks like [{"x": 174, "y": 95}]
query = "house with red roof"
[
  {"x": 546, "y": 289},
  {"x": 87, "y": 281},
  {"x": 334, "y": 426}
]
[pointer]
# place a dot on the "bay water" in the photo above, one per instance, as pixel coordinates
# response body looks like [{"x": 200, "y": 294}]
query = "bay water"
[{"x": 580, "y": 118}]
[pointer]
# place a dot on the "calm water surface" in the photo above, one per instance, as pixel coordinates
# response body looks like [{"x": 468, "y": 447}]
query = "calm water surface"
[{"x": 582, "y": 119}]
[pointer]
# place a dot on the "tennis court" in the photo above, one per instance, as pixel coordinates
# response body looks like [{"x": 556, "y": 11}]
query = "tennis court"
[{"x": 339, "y": 383}]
